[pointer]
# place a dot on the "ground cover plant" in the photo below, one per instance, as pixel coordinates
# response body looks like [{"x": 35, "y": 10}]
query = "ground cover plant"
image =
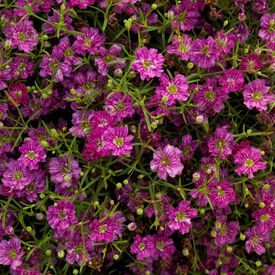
[{"x": 137, "y": 137}]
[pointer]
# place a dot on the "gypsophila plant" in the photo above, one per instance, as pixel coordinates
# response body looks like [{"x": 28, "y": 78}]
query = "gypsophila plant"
[{"x": 137, "y": 137}]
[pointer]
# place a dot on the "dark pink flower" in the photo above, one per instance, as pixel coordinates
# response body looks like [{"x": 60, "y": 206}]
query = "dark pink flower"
[
  {"x": 164, "y": 246},
  {"x": 267, "y": 27},
  {"x": 188, "y": 147},
  {"x": 180, "y": 218},
  {"x": 256, "y": 94},
  {"x": 265, "y": 218},
  {"x": 221, "y": 144},
  {"x": 249, "y": 160},
  {"x": 167, "y": 161},
  {"x": 32, "y": 153},
  {"x": 232, "y": 80},
  {"x": 118, "y": 141},
  {"x": 148, "y": 63},
  {"x": 61, "y": 215},
  {"x": 11, "y": 253},
  {"x": 21, "y": 67},
  {"x": 256, "y": 236},
  {"x": 180, "y": 46},
  {"x": 89, "y": 42},
  {"x": 17, "y": 94},
  {"x": 251, "y": 63}
]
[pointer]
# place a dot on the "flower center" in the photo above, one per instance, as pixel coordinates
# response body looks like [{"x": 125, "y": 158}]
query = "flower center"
[
  {"x": 172, "y": 88},
  {"x": 146, "y": 64},
  {"x": 103, "y": 228},
  {"x": 264, "y": 217},
  {"x": 109, "y": 58},
  {"x": 210, "y": 95},
  {"x": 183, "y": 48},
  {"x": 160, "y": 245},
  {"x": 120, "y": 106},
  {"x": 17, "y": 175},
  {"x": 180, "y": 216},
  {"x": 31, "y": 155},
  {"x": 87, "y": 42},
  {"x": 249, "y": 163},
  {"x": 62, "y": 215},
  {"x": 165, "y": 161},
  {"x": 205, "y": 50},
  {"x": 257, "y": 96},
  {"x": 141, "y": 246},
  {"x": 68, "y": 52},
  {"x": 22, "y": 67},
  {"x": 12, "y": 254},
  {"x": 21, "y": 36},
  {"x": 119, "y": 141},
  {"x": 220, "y": 144}
]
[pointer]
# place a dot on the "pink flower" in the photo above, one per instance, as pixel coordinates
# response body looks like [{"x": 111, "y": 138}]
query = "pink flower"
[
  {"x": 148, "y": 63},
  {"x": 180, "y": 46},
  {"x": 143, "y": 247},
  {"x": 32, "y": 153},
  {"x": 61, "y": 215},
  {"x": 180, "y": 218},
  {"x": 232, "y": 80},
  {"x": 174, "y": 89},
  {"x": 11, "y": 253},
  {"x": 221, "y": 193},
  {"x": 249, "y": 160},
  {"x": 164, "y": 246},
  {"x": 188, "y": 147},
  {"x": 251, "y": 63},
  {"x": 257, "y": 236},
  {"x": 23, "y": 36},
  {"x": 89, "y": 42},
  {"x": 257, "y": 95},
  {"x": 118, "y": 141},
  {"x": 204, "y": 52},
  {"x": 221, "y": 144},
  {"x": 167, "y": 161},
  {"x": 267, "y": 27}
]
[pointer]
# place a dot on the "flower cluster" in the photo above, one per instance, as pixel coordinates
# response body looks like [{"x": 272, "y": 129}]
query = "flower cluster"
[{"x": 137, "y": 137}]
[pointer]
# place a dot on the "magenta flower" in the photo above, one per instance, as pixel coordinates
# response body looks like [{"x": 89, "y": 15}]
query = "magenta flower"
[
  {"x": 249, "y": 160},
  {"x": 11, "y": 253},
  {"x": 204, "y": 52},
  {"x": 17, "y": 94},
  {"x": 32, "y": 153},
  {"x": 119, "y": 105},
  {"x": 89, "y": 42},
  {"x": 257, "y": 95},
  {"x": 251, "y": 63},
  {"x": 61, "y": 215},
  {"x": 118, "y": 141},
  {"x": 180, "y": 46},
  {"x": 225, "y": 42},
  {"x": 148, "y": 63},
  {"x": 82, "y": 4},
  {"x": 221, "y": 193},
  {"x": 221, "y": 144},
  {"x": 143, "y": 247},
  {"x": 188, "y": 147},
  {"x": 267, "y": 27},
  {"x": 225, "y": 232},
  {"x": 257, "y": 236},
  {"x": 167, "y": 161},
  {"x": 265, "y": 218},
  {"x": 23, "y": 36},
  {"x": 232, "y": 80},
  {"x": 63, "y": 171},
  {"x": 164, "y": 246},
  {"x": 174, "y": 89},
  {"x": 17, "y": 176},
  {"x": 180, "y": 218},
  {"x": 103, "y": 120},
  {"x": 22, "y": 67}
]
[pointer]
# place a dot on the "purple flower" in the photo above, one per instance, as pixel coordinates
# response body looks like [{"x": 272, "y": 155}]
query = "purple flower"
[
  {"x": 89, "y": 42},
  {"x": 265, "y": 218},
  {"x": 143, "y": 247},
  {"x": 180, "y": 218},
  {"x": 11, "y": 253},
  {"x": 63, "y": 171},
  {"x": 108, "y": 58},
  {"x": 257, "y": 95},
  {"x": 118, "y": 141},
  {"x": 204, "y": 52},
  {"x": 232, "y": 80},
  {"x": 267, "y": 27},
  {"x": 251, "y": 63},
  {"x": 221, "y": 193},
  {"x": 164, "y": 246},
  {"x": 188, "y": 147},
  {"x": 119, "y": 105},
  {"x": 167, "y": 161},
  {"x": 256, "y": 235},
  {"x": 249, "y": 160},
  {"x": 225, "y": 42},
  {"x": 21, "y": 67},
  {"x": 82, "y": 4},
  {"x": 225, "y": 232},
  {"x": 103, "y": 120},
  {"x": 17, "y": 176},
  {"x": 51, "y": 65},
  {"x": 180, "y": 46},
  {"x": 148, "y": 63},
  {"x": 32, "y": 153},
  {"x": 221, "y": 144},
  {"x": 61, "y": 215},
  {"x": 23, "y": 36},
  {"x": 174, "y": 89}
]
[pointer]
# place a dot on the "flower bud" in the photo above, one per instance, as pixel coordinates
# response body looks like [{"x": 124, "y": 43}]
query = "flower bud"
[
  {"x": 60, "y": 254},
  {"x": 139, "y": 211}
]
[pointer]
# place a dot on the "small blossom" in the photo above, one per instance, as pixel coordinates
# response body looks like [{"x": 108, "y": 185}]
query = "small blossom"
[{"x": 256, "y": 236}]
